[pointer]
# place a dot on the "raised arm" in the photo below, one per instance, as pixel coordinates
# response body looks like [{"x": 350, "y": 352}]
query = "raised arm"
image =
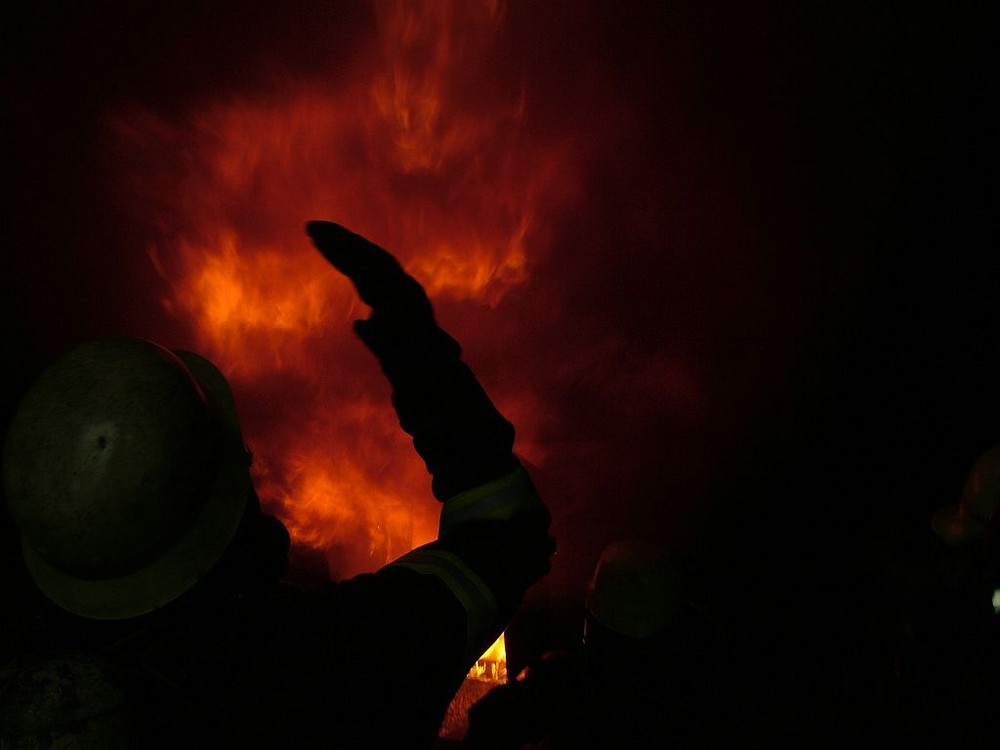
[{"x": 493, "y": 538}]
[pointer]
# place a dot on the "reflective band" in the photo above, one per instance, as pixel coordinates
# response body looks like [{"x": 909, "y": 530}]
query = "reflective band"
[
  {"x": 479, "y": 603},
  {"x": 500, "y": 500}
]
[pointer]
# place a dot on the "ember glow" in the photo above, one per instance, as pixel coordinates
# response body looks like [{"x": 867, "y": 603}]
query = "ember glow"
[
  {"x": 408, "y": 149},
  {"x": 492, "y": 665}
]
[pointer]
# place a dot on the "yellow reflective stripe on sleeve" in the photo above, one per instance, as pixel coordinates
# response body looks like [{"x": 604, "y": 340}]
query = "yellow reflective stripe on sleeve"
[
  {"x": 499, "y": 500},
  {"x": 479, "y": 603}
]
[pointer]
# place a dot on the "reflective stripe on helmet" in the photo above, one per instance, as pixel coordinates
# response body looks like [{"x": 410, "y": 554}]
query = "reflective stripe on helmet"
[
  {"x": 500, "y": 500},
  {"x": 478, "y": 601}
]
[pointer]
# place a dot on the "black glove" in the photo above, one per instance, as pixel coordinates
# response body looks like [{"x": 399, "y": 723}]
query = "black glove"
[{"x": 456, "y": 429}]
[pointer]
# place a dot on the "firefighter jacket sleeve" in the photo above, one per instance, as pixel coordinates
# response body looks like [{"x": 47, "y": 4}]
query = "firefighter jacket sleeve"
[{"x": 493, "y": 538}]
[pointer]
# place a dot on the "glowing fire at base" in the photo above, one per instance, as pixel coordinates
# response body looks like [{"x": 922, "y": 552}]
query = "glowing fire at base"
[
  {"x": 489, "y": 671},
  {"x": 492, "y": 665}
]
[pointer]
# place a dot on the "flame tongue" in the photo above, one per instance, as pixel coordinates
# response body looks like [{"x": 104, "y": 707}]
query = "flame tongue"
[{"x": 492, "y": 665}]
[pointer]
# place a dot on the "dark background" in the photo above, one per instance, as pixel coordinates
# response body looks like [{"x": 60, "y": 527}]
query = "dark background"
[{"x": 861, "y": 147}]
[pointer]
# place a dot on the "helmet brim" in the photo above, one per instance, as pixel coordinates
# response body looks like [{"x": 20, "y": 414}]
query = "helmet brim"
[
  {"x": 955, "y": 527},
  {"x": 195, "y": 552}
]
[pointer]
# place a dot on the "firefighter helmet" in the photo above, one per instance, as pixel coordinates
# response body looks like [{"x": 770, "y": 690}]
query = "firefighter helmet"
[
  {"x": 977, "y": 514},
  {"x": 126, "y": 475},
  {"x": 636, "y": 590}
]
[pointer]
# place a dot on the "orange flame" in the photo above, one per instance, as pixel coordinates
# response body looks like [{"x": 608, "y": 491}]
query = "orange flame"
[
  {"x": 492, "y": 665},
  {"x": 417, "y": 150}
]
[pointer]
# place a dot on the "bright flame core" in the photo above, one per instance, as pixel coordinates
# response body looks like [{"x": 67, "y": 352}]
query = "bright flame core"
[
  {"x": 492, "y": 665},
  {"x": 416, "y": 149}
]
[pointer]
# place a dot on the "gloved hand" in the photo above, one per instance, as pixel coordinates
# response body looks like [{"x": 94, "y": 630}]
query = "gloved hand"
[
  {"x": 402, "y": 317},
  {"x": 463, "y": 439},
  {"x": 380, "y": 280}
]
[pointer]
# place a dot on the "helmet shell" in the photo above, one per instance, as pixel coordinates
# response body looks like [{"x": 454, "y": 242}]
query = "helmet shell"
[
  {"x": 977, "y": 514},
  {"x": 125, "y": 472},
  {"x": 637, "y": 588}
]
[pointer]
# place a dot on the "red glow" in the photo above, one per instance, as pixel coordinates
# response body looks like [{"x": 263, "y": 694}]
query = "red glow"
[{"x": 411, "y": 152}]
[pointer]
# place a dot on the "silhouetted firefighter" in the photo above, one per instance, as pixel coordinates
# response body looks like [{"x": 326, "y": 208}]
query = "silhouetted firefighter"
[
  {"x": 649, "y": 671},
  {"x": 150, "y": 612}
]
